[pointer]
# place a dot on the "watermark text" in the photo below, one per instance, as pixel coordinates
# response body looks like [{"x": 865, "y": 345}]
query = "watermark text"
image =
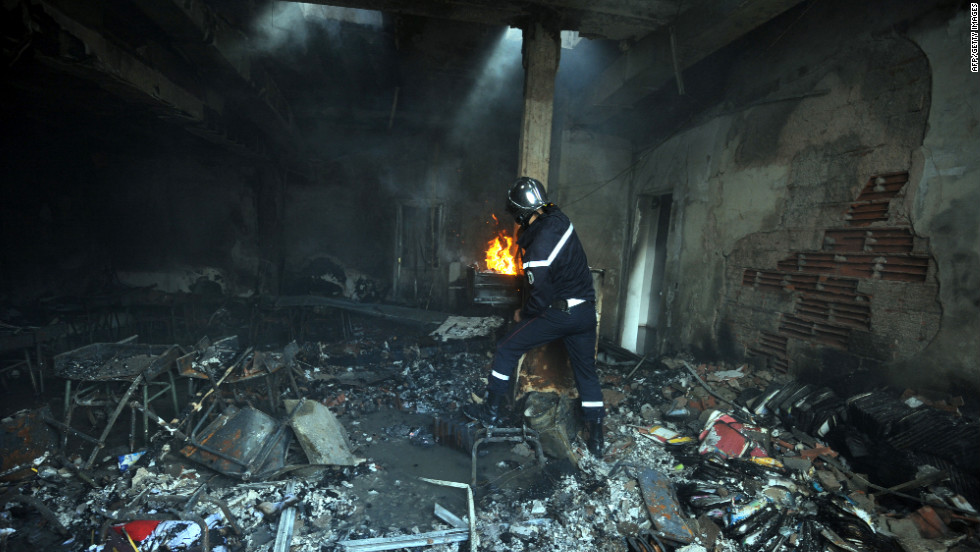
[{"x": 974, "y": 37}]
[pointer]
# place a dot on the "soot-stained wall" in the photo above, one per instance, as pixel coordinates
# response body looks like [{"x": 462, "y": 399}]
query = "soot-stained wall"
[
  {"x": 825, "y": 215},
  {"x": 82, "y": 215},
  {"x": 593, "y": 190},
  {"x": 347, "y": 215}
]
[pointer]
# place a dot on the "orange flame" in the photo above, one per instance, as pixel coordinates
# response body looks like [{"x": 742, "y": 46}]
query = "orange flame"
[{"x": 501, "y": 253}]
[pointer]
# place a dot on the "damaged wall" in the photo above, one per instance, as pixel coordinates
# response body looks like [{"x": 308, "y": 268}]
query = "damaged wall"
[
  {"x": 592, "y": 189},
  {"x": 812, "y": 226},
  {"x": 946, "y": 201},
  {"x": 177, "y": 217}
]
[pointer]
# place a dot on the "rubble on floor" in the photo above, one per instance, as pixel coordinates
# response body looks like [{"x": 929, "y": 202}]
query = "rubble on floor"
[{"x": 699, "y": 457}]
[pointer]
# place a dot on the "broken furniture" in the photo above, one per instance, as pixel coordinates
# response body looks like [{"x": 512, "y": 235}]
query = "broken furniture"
[
  {"x": 461, "y": 530},
  {"x": 406, "y": 541},
  {"x": 223, "y": 362},
  {"x": 37, "y": 380},
  {"x": 245, "y": 443},
  {"x": 551, "y": 415},
  {"x": 99, "y": 366},
  {"x": 29, "y": 340},
  {"x": 468, "y": 436},
  {"x": 505, "y": 435}
]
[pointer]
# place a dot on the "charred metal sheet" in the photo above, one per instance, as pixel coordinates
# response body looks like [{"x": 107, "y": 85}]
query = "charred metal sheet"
[
  {"x": 250, "y": 442},
  {"x": 661, "y": 502},
  {"x": 24, "y": 437},
  {"x": 222, "y": 353},
  {"x": 431, "y": 538},
  {"x": 223, "y": 358}
]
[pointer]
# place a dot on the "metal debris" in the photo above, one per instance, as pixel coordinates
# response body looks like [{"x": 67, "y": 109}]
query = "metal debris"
[
  {"x": 286, "y": 523},
  {"x": 661, "y": 502},
  {"x": 802, "y": 495},
  {"x": 246, "y": 443}
]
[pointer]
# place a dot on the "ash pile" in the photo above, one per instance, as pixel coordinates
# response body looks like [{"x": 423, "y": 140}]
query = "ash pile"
[{"x": 357, "y": 444}]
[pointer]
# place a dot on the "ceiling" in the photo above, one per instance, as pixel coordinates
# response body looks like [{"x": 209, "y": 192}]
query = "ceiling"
[
  {"x": 277, "y": 79},
  {"x": 605, "y": 19}
]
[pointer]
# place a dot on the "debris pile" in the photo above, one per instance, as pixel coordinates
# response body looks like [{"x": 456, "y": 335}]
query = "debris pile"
[{"x": 356, "y": 444}]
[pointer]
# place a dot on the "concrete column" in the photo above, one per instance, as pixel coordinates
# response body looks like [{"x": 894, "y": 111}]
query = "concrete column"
[{"x": 541, "y": 50}]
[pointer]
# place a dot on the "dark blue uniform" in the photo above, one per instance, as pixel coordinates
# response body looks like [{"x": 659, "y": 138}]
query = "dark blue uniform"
[{"x": 557, "y": 272}]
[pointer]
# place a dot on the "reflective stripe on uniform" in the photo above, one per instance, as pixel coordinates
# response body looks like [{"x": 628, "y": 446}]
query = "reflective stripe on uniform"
[
  {"x": 498, "y": 375},
  {"x": 554, "y": 252},
  {"x": 591, "y": 404}
]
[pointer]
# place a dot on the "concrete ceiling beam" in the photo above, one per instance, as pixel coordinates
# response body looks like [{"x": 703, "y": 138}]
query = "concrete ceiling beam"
[
  {"x": 650, "y": 63},
  {"x": 490, "y": 14},
  {"x": 126, "y": 72},
  {"x": 126, "y": 75},
  {"x": 654, "y": 11},
  {"x": 611, "y": 19},
  {"x": 210, "y": 43}
]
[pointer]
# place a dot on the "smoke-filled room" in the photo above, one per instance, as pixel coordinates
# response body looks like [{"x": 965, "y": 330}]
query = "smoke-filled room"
[{"x": 489, "y": 276}]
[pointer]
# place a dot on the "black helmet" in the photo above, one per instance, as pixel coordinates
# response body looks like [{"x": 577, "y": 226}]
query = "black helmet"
[{"x": 526, "y": 196}]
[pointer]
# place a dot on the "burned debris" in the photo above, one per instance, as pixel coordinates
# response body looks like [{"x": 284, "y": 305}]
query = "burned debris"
[
  {"x": 254, "y": 269},
  {"x": 354, "y": 442}
]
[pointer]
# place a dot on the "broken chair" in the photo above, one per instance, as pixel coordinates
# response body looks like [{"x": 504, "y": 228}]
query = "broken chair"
[{"x": 100, "y": 367}]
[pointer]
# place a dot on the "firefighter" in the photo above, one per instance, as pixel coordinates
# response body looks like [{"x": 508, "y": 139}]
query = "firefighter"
[{"x": 560, "y": 305}]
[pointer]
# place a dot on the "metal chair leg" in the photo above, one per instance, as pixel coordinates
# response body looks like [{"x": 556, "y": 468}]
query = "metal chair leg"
[
  {"x": 112, "y": 419},
  {"x": 173, "y": 392},
  {"x": 30, "y": 371}
]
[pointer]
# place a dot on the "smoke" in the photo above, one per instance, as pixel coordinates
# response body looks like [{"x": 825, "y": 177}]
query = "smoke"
[
  {"x": 582, "y": 64},
  {"x": 482, "y": 117},
  {"x": 291, "y": 23},
  {"x": 498, "y": 82}
]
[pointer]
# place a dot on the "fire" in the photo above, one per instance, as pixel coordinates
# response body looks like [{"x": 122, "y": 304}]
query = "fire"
[{"x": 501, "y": 253}]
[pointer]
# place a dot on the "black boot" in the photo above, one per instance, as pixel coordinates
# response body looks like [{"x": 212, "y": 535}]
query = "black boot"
[
  {"x": 594, "y": 441},
  {"x": 487, "y": 412}
]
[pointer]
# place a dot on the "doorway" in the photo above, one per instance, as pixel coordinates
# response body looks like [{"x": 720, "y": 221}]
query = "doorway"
[
  {"x": 644, "y": 306},
  {"x": 418, "y": 252}
]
